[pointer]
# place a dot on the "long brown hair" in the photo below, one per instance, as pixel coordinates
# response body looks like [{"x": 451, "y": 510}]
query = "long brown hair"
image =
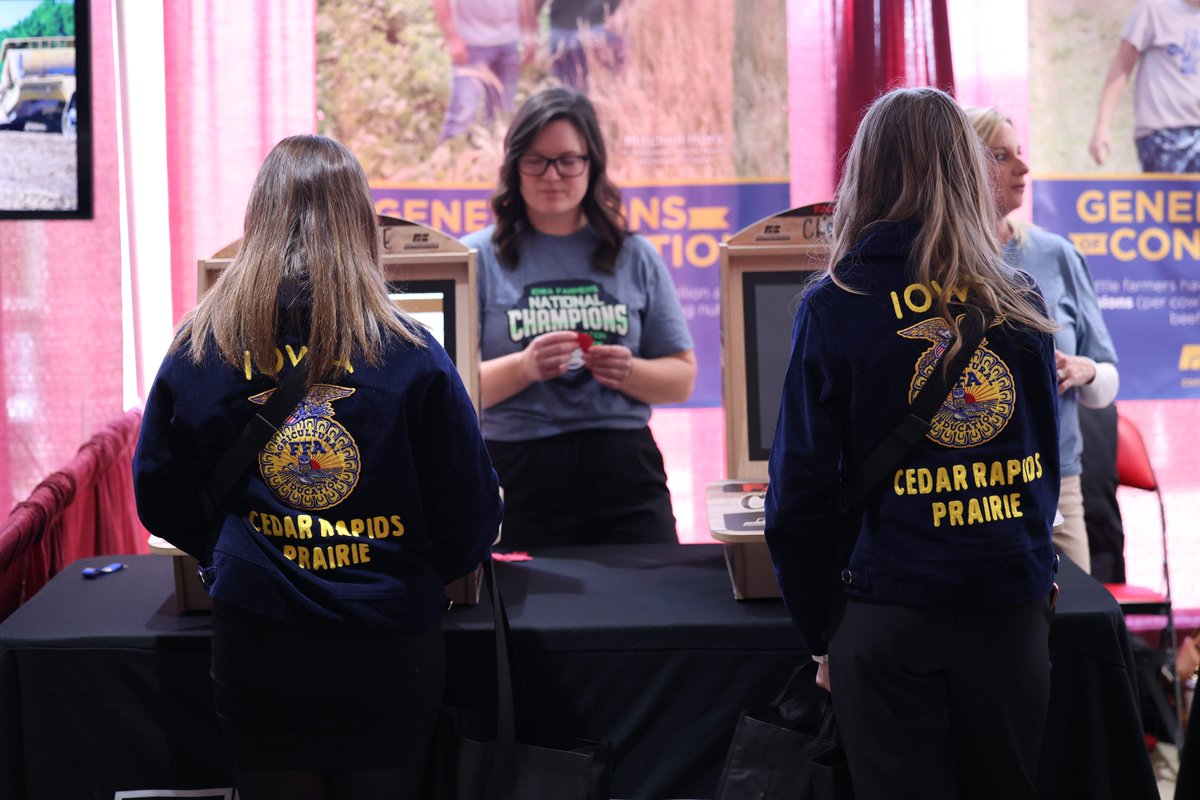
[
  {"x": 602, "y": 201},
  {"x": 310, "y": 228},
  {"x": 916, "y": 158}
]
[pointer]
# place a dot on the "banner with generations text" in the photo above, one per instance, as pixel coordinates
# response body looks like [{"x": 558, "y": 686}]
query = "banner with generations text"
[
  {"x": 691, "y": 100},
  {"x": 685, "y": 223},
  {"x": 1141, "y": 238}
]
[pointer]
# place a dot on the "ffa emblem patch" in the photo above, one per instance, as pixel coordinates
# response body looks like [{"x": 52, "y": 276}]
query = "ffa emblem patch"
[
  {"x": 312, "y": 462},
  {"x": 982, "y": 401}
]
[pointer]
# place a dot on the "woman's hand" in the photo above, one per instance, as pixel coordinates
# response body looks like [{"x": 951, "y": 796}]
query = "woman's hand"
[
  {"x": 611, "y": 364},
  {"x": 1073, "y": 370},
  {"x": 823, "y": 676},
  {"x": 548, "y": 355}
]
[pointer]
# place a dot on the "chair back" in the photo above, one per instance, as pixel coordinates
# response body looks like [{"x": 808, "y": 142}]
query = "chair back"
[{"x": 1133, "y": 462}]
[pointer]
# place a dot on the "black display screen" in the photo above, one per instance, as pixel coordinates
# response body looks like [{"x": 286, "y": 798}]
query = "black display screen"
[{"x": 771, "y": 299}]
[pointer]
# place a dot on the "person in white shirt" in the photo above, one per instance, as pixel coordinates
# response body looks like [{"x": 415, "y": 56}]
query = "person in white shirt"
[{"x": 1161, "y": 38}]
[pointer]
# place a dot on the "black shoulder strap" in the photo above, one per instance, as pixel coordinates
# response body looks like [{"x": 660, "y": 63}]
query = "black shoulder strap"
[
  {"x": 258, "y": 431},
  {"x": 854, "y": 488}
]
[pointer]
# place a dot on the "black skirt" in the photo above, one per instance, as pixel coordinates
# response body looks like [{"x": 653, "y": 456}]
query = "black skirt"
[
  {"x": 289, "y": 697},
  {"x": 586, "y": 487}
]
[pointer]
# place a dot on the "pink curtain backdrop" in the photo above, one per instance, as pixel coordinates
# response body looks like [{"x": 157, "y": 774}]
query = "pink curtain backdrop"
[
  {"x": 852, "y": 51},
  {"x": 812, "y": 58},
  {"x": 989, "y": 70},
  {"x": 882, "y": 46},
  {"x": 60, "y": 310},
  {"x": 240, "y": 76}
]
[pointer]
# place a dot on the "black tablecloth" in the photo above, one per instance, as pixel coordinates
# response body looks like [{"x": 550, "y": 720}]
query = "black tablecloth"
[{"x": 104, "y": 686}]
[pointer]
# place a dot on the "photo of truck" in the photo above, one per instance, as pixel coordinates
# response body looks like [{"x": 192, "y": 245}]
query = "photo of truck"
[{"x": 37, "y": 84}]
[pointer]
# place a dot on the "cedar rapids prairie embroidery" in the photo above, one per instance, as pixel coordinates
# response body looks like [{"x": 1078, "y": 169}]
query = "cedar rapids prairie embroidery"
[{"x": 977, "y": 409}]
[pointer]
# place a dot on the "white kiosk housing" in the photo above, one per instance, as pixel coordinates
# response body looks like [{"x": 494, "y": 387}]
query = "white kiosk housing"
[{"x": 764, "y": 268}]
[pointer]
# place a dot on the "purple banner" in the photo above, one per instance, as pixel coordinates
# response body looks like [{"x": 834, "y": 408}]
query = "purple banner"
[
  {"x": 1141, "y": 238},
  {"x": 686, "y": 224}
]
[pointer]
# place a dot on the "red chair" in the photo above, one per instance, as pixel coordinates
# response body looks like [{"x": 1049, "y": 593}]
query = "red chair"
[{"x": 1135, "y": 470}]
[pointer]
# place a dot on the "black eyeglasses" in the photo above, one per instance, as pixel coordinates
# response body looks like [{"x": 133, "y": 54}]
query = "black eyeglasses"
[{"x": 565, "y": 166}]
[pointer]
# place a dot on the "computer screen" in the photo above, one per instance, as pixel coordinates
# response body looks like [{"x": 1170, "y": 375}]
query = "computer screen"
[
  {"x": 764, "y": 269},
  {"x": 770, "y": 299},
  {"x": 431, "y": 303}
]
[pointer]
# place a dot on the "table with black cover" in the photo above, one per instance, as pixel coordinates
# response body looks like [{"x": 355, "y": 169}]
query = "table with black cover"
[{"x": 104, "y": 686}]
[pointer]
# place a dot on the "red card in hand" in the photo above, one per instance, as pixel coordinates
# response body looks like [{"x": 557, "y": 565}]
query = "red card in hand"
[{"x": 585, "y": 340}]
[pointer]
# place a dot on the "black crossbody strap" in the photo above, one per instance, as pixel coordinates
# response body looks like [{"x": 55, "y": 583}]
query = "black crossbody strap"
[
  {"x": 854, "y": 488},
  {"x": 504, "y": 756},
  {"x": 258, "y": 431}
]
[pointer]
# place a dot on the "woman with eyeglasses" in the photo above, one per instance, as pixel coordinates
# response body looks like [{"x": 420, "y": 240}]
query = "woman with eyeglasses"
[{"x": 581, "y": 332}]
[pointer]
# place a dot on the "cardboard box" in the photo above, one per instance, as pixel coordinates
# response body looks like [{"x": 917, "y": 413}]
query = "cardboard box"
[
  {"x": 465, "y": 590},
  {"x": 735, "y": 518},
  {"x": 751, "y": 570},
  {"x": 190, "y": 594}
]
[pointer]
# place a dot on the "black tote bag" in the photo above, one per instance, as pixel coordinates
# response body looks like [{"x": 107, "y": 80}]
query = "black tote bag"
[
  {"x": 788, "y": 750},
  {"x": 464, "y": 766}
]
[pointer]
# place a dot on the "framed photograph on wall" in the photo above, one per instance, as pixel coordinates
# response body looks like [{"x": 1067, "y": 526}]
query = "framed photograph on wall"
[{"x": 45, "y": 110}]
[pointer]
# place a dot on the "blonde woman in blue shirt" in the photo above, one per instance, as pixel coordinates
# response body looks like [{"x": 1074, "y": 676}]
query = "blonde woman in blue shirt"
[{"x": 1086, "y": 360}]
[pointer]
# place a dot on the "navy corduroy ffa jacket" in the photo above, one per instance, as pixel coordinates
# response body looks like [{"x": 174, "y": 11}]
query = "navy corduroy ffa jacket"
[
  {"x": 965, "y": 518},
  {"x": 376, "y": 492}
]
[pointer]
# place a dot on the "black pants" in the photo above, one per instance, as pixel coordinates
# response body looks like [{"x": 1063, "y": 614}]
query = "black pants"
[
  {"x": 294, "y": 698},
  {"x": 584, "y": 487},
  {"x": 942, "y": 703}
]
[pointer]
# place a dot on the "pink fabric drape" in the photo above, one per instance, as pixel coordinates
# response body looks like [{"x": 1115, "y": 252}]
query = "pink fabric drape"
[
  {"x": 240, "y": 76},
  {"x": 851, "y": 51},
  {"x": 60, "y": 319},
  {"x": 82, "y": 510},
  {"x": 812, "y": 51},
  {"x": 883, "y": 46}
]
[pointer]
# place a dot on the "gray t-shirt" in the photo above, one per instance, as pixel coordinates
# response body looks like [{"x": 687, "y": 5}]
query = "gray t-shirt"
[
  {"x": 554, "y": 288},
  {"x": 1166, "y": 92},
  {"x": 1066, "y": 284},
  {"x": 488, "y": 23}
]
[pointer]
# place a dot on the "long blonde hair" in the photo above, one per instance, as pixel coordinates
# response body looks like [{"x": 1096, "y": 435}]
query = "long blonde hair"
[
  {"x": 310, "y": 227},
  {"x": 916, "y": 158}
]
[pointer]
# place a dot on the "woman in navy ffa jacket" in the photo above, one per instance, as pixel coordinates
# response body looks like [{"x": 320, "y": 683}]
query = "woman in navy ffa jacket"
[
  {"x": 328, "y": 571},
  {"x": 929, "y": 605}
]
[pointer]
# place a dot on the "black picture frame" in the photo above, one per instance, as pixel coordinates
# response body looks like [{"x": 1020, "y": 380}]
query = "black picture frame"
[{"x": 47, "y": 125}]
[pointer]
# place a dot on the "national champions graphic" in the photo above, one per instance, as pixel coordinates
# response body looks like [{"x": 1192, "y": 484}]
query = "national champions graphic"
[
  {"x": 569, "y": 305},
  {"x": 312, "y": 462},
  {"x": 982, "y": 401}
]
